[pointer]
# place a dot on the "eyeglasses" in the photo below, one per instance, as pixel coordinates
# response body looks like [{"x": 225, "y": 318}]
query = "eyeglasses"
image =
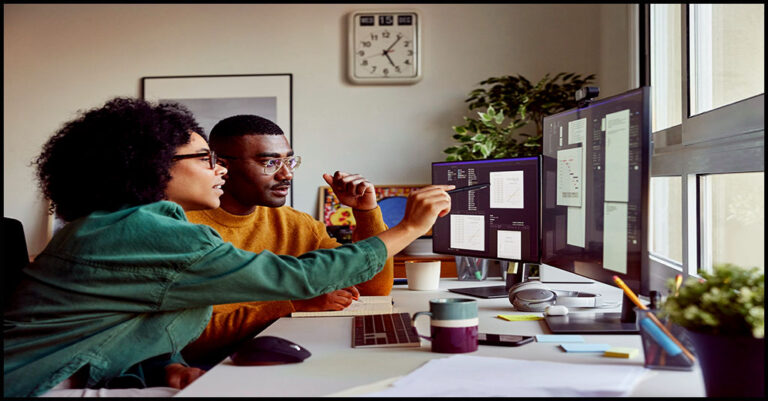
[
  {"x": 272, "y": 166},
  {"x": 212, "y": 159}
]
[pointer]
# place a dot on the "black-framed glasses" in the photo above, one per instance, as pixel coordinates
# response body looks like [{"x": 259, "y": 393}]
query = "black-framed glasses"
[{"x": 211, "y": 155}]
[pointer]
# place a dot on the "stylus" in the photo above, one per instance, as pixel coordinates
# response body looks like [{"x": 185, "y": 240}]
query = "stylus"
[{"x": 469, "y": 188}]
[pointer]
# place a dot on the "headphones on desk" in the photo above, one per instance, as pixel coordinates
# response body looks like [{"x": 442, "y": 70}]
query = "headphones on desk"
[{"x": 534, "y": 296}]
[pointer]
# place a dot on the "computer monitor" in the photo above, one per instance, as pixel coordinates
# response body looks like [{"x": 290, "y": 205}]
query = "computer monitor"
[
  {"x": 499, "y": 221},
  {"x": 595, "y": 182}
]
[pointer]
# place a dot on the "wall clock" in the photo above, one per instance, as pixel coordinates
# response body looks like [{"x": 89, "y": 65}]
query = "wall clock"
[{"x": 384, "y": 47}]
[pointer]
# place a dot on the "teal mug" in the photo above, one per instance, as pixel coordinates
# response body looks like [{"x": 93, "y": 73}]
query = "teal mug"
[{"x": 453, "y": 325}]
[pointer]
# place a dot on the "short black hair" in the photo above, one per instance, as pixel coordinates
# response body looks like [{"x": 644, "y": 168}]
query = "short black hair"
[
  {"x": 112, "y": 157},
  {"x": 244, "y": 124}
]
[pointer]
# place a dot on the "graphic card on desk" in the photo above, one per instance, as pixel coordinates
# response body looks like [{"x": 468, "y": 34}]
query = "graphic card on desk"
[{"x": 366, "y": 305}]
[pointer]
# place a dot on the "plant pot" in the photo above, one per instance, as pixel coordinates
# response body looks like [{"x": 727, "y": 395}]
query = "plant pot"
[{"x": 732, "y": 366}]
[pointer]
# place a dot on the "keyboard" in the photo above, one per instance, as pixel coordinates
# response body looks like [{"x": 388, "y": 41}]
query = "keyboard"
[{"x": 384, "y": 330}]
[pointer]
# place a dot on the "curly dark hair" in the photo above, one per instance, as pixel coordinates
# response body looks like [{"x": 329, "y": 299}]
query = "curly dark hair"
[
  {"x": 241, "y": 125},
  {"x": 112, "y": 157}
]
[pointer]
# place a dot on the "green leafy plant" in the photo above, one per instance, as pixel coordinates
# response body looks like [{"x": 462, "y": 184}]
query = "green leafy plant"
[
  {"x": 729, "y": 301},
  {"x": 510, "y": 104}
]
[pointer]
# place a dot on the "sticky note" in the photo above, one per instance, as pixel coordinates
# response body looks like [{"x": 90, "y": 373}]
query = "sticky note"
[
  {"x": 585, "y": 347},
  {"x": 559, "y": 338},
  {"x": 621, "y": 352},
  {"x": 520, "y": 318}
]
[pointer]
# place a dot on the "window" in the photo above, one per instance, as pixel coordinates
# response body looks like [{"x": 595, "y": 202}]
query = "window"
[
  {"x": 732, "y": 219},
  {"x": 705, "y": 66},
  {"x": 666, "y": 228},
  {"x": 727, "y": 47}
]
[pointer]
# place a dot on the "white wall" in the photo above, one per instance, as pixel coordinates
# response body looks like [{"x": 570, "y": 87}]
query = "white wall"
[{"x": 63, "y": 58}]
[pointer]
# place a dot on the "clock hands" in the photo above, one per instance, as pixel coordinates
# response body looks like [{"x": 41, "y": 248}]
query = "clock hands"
[
  {"x": 390, "y": 60},
  {"x": 389, "y": 50}
]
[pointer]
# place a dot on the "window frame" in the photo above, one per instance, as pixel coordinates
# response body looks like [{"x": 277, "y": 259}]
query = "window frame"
[{"x": 727, "y": 139}]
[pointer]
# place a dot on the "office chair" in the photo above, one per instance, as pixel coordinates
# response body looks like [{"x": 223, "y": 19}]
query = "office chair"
[{"x": 15, "y": 256}]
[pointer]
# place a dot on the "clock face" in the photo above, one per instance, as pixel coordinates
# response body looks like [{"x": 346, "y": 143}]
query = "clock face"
[{"x": 384, "y": 47}]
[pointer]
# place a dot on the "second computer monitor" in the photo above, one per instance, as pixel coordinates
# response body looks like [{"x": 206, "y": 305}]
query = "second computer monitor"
[{"x": 498, "y": 221}]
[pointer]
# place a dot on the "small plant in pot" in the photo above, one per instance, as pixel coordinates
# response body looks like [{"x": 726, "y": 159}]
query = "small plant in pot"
[{"x": 723, "y": 314}]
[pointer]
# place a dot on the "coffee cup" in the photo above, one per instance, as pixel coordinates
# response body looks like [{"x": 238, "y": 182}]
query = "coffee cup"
[
  {"x": 453, "y": 325},
  {"x": 422, "y": 275}
]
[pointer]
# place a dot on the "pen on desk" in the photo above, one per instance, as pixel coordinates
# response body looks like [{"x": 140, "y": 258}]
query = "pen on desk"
[
  {"x": 469, "y": 188},
  {"x": 631, "y": 295}
]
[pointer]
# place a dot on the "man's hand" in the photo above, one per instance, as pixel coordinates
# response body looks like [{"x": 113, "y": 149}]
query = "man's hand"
[
  {"x": 180, "y": 376},
  {"x": 336, "y": 300},
  {"x": 352, "y": 190}
]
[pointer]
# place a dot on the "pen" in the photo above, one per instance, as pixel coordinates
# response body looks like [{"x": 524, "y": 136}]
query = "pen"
[
  {"x": 469, "y": 188},
  {"x": 631, "y": 295}
]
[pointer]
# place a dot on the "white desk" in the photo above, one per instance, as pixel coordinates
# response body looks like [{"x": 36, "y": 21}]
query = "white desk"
[{"x": 335, "y": 367}]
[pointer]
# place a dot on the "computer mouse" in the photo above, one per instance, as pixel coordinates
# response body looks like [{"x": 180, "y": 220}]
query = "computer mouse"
[
  {"x": 268, "y": 350},
  {"x": 556, "y": 310}
]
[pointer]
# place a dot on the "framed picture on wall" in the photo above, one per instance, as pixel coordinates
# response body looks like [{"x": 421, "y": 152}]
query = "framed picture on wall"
[
  {"x": 212, "y": 98},
  {"x": 339, "y": 220}
]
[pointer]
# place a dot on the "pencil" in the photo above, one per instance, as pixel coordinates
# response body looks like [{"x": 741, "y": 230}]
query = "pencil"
[
  {"x": 469, "y": 188},
  {"x": 631, "y": 295}
]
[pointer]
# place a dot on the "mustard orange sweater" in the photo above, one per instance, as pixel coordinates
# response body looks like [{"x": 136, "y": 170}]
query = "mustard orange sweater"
[{"x": 284, "y": 231}]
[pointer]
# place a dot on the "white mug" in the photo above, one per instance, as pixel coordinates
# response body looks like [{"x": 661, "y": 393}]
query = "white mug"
[{"x": 422, "y": 275}]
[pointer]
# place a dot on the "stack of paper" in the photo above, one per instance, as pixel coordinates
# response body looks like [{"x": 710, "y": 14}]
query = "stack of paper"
[{"x": 479, "y": 376}]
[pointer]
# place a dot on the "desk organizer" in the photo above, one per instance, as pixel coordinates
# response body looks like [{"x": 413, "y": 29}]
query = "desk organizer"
[{"x": 661, "y": 351}]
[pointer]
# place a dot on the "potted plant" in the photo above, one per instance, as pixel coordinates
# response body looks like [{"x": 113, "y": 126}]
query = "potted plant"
[
  {"x": 512, "y": 113},
  {"x": 509, "y": 124},
  {"x": 723, "y": 314}
]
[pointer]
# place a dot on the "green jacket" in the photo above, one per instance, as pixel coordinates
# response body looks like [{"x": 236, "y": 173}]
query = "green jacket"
[{"x": 114, "y": 289}]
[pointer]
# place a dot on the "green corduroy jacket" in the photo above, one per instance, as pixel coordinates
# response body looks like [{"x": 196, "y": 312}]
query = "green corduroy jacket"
[{"x": 114, "y": 289}]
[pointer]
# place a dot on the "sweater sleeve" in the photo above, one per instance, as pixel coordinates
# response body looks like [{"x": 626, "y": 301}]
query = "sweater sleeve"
[{"x": 370, "y": 223}]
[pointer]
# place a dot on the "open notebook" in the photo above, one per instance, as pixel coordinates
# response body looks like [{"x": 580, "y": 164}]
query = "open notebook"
[{"x": 366, "y": 305}]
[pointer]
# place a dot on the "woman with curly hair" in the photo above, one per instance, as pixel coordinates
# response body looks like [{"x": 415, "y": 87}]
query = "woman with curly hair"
[{"x": 128, "y": 282}]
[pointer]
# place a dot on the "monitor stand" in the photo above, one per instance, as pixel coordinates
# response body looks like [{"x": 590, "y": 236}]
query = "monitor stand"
[
  {"x": 521, "y": 272},
  {"x": 596, "y": 323}
]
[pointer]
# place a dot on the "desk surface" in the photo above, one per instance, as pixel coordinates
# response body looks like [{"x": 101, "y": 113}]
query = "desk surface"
[{"x": 335, "y": 367}]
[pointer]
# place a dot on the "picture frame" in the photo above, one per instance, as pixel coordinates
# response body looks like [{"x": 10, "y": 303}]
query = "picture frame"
[
  {"x": 212, "y": 98},
  {"x": 334, "y": 214}
]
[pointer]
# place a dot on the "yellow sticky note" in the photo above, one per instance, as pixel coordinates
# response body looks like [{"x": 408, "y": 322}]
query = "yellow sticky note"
[
  {"x": 520, "y": 318},
  {"x": 621, "y": 352}
]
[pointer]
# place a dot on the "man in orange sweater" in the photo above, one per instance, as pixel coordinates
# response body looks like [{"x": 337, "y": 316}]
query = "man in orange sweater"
[{"x": 252, "y": 216}]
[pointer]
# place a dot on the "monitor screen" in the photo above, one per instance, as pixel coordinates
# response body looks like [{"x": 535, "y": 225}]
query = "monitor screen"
[
  {"x": 499, "y": 221},
  {"x": 595, "y": 180}
]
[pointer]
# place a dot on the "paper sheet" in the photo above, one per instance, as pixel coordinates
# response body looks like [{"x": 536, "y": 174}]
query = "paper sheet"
[
  {"x": 468, "y": 232},
  {"x": 507, "y": 189},
  {"x": 478, "y": 376}
]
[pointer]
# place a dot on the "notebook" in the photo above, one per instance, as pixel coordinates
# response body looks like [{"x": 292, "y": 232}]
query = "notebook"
[{"x": 366, "y": 305}]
